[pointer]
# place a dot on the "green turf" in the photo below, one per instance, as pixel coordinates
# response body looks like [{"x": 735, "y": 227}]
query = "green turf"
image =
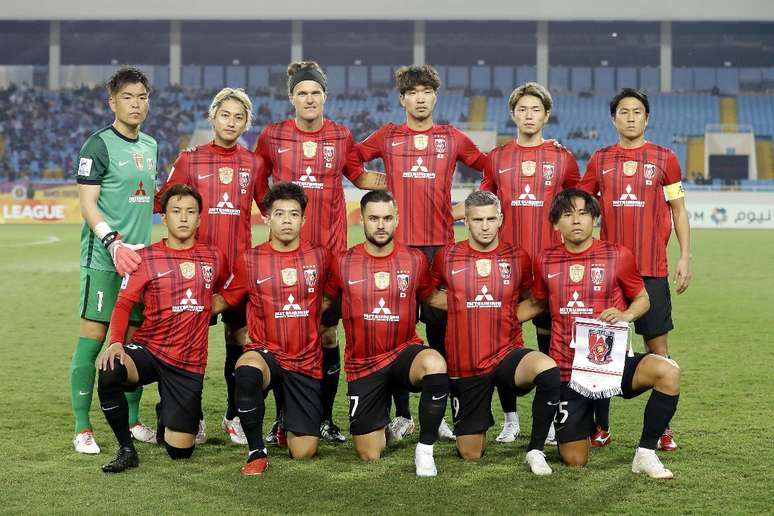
[{"x": 723, "y": 425}]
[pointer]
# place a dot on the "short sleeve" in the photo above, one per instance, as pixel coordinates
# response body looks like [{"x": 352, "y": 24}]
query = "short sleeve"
[
  {"x": 571, "y": 176},
  {"x": 333, "y": 286},
  {"x": 178, "y": 175},
  {"x": 235, "y": 288},
  {"x": 261, "y": 183},
  {"x": 133, "y": 285},
  {"x": 371, "y": 147},
  {"x": 469, "y": 153},
  {"x": 438, "y": 270},
  {"x": 488, "y": 183},
  {"x": 424, "y": 280},
  {"x": 263, "y": 147},
  {"x": 93, "y": 162},
  {"x": 353, "y": 168},
  {"x": 525, "y": 268},
  {"x": 590, "y": 180},
  {"x": 629, "y": 277},
  {"x": 539, "y": 287},
  {"x": 673, "y": 187}
]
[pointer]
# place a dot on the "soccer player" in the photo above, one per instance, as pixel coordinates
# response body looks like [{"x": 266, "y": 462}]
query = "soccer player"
[
  {"x": 282, "y": 281},
  {"x": 315, "y": 153},
  {"x": 379, "y": 282},
  {"x": 597, "y": 279},
  {"x": 116, "y": 179},
  {"x": 419, "y": 159},
  {"x": 526, "y": 173},
  {"x": 175, "y": 282},
  {"x": 639, "y": 187},
  {"x": 229, "y": 178},
  {"x": 484, "y": 279}
]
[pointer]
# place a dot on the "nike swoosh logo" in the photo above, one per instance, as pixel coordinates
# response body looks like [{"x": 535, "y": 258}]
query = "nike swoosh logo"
[
  {"x": 333, "y": 371},
  {"x": 457, "y": 271},
  {"x": 436, "y": 398},
  {"x": 205, "y": 177},
  {"x": 123, "y": 163},
  {"x": 82, "y": 393},
  {"x": 246, "y": 411},
  {"x": 355, "y": 282},
  {"x": 395, "y": 144},
  {"x": 264, "y": 280},
  {"x": 554, "y": 275},
  {"x": 608, "y": 170},
  {"x": 504, "y": 170},
  {"x": 110, "y": 408},
  {"x": 280, "y": 151},
  {"x": 162, "y": 274},
  {"x": 553, "y": 404}
]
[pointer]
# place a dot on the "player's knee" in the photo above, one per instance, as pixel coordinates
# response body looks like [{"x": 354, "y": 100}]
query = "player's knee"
[
  {"x": 433, "y": 362},
  {"x": 368, "y": 453},
  {"x": 670, "y": 375},
  {"x": 574, "y": 459},
  {"x": 179, "y": 453},
  {"x": 470, "y": 452},
  {"x": 303, "y": 452},
  {"x": 247, "y": 379},
  {"x": 111, "y": 379}
]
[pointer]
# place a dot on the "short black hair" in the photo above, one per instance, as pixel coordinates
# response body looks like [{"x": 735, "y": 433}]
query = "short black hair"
[
  {"x": 563, "y": 202},
  {"x": 629, "y": 92},
  {"x": 376, "y": 196},
  {"x": 409, "y": 77},
  {"x": 127, "y": 75},
  {"x": 182, "y": 190},
  {"x": 285, "y": 191}
]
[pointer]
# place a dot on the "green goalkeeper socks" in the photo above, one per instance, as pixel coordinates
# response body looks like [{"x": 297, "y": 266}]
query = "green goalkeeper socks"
[
  {"x": 133, "y": 398},
  {"x": 82, "y": 373}
]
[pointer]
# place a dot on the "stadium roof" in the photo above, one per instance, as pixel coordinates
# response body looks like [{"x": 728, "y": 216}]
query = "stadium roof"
[{"x": 659, "y": 10}]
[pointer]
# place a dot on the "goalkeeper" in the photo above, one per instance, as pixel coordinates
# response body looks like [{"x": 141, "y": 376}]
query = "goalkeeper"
[{"x": 116, "y": 181}]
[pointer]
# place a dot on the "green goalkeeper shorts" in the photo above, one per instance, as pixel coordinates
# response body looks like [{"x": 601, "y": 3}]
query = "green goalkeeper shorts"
[{"x": 99, "y": 291}]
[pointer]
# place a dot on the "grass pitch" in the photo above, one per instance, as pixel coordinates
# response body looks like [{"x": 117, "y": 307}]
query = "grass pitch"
[{"x": 723, "y": 342}]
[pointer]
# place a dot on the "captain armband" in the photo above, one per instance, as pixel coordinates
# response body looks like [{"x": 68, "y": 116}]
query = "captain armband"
[{"x": 674, "y": 191}]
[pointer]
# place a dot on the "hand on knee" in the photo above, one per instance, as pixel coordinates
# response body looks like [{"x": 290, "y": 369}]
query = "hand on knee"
[{"x": 111, "y": 379}]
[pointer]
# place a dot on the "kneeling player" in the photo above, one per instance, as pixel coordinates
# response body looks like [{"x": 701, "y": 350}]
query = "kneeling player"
[
  {"x": 175, "y": 281},
  {"x": 484, "y": 280},
  {"x": 590, "y": 278},
  {"x": 283, "y": 281},
  {"x": 379, "y": 282}
]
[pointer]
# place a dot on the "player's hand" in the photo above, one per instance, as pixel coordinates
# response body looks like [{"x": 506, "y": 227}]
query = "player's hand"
[
  {"x": 614, "y": 315},
  {"x": 125, "y": 257},
  {"x": 107, "y": 357},
  {"x": 683, "y": 275}
]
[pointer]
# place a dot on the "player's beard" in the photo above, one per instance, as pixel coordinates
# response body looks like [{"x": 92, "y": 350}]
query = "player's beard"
[{"x": 370, "y": 237}]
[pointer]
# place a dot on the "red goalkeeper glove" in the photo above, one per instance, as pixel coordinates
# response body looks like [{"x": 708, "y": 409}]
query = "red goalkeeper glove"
[{"x": 125, "y": 257}]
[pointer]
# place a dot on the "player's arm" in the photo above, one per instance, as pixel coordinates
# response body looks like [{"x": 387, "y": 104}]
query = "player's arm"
[
  {"x": 371, "y": 180},
  {"x": 178, "y": 174},
  {"x": 630, "y": 281},
  {"x": 638, "y": 307},
  {"x": 537, "y": 301},
  {"x": 530, "y": 308},
  {"x": 590, "y": 180},
  {"x": 675, "y": 196},
  {"x": 234, "y": 290},
  {"x": 432, "y": 282},
  {"x": 437, "y": 299},
  {"x": 132, "y": 289}
]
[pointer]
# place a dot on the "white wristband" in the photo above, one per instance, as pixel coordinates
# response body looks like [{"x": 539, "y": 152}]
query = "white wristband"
[{"x": 102, "y": 229}]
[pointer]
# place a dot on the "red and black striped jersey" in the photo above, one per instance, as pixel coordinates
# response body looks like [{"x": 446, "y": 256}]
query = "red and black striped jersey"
[
  {"x": 284, "y": 292},
  {"x": 228, "y": 181},
  {"x": 420, "y": 167},
  {"x": 176, "y": 287},
  {"x": 526, "y": 179},
  {"x": 317, "y": 161},
  {"x": 379, "y": 304},
  {"x": 582, "y": 285},
  {"x": 635, "y": 213},
  {"x": 483, "y": 296}
]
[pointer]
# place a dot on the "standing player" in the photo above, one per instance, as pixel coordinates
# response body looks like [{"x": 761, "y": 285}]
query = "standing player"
[
  {"x": 116, "y": 179},
  {"x": 526, "y": 173},
  {"x": 485, "y": 279},
  {"x": 639, "y": 186},
  {"x": 594, "y": 279},
  {"x": 229, "y": 178},
  {"x": 419, "y": 159},
  {"x": 315, "y": 153},
  {"x": 379, "y": 282},
  {"x": 283, "y": 281},
  {"x": 175, "y": 282}
]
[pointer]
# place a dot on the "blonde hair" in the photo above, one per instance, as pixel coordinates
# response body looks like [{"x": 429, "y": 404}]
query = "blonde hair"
[
  {"x": 534, "y": 89},
  {"x": 237, "y": 94}
]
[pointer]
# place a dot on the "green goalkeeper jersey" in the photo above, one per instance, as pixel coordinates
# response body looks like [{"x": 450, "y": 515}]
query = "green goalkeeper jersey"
[{"x": 125, "y": 169}]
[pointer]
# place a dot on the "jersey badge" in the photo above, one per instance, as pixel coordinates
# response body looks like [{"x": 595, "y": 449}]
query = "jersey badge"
[
  {"x": 188, "y": 270},
  {"x": 650, "y": 173},
  {"x": 630, "y": 168},
  {"x": 421, "y": 141},
  {"x": 244, "y": 179},
  {"x": 289, "y": 276},
  {"x": 528, "y": 168},
  {"x": 403, "y": 283},
  {"x": 505, "y": 271},
  {"x": 84, "y": 166},
  {"x": 484, "y": 267},
  {"x": 548, "y": 172},
  {"x": 226, "y": 175},
  {"x": 208, "y": 273},
  {"x": 310, "y": 278},
  {"x": 597, "y": 277},
  {"x": 310, "y": 149},
  {"x": 382, "y": 280},
  {"x": 576, "y": 272},
  {"x": 139, "y": 160},
  {"x": 328, "y": 153},
  {"x": 151, "y": 164},
  {"x": 440, "y": 146}
]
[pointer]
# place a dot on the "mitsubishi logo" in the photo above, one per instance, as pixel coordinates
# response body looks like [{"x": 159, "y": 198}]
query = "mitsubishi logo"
[
  {"x": 188, "y": 299},
  {"x": 291, "y": 304},
  {"x": 381, "y": 309},
  {"x": 419, "y": 167},
  {"x": 527, "y": 194},
  {"x": 575, "y": 303},
  {"x": 225, "y": 203},
  {"x": 307, "y": 176},
  {"x": 628, "y": 196},
  {"x": 484, "y": 295}
]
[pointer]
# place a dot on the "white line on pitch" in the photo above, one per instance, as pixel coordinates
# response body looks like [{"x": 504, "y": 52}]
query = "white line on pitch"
[{"x": 50, "y": 240}]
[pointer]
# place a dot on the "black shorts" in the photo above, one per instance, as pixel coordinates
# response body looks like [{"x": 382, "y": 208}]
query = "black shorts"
[
  {"x": 369, "y": 396},
  {"x": 542, "y": 320},
  {"x": 574, "y": 420},
  {"x": 428, "y": 314},
  {"x": 234, "y": 317},
  {"x": 301, "y": 396},
  {"x": 472, "y": 397},
  {"x": 658, "y": 320},
  {"x": 180, "y": 391},
  {"x": 332, "y": 315}
]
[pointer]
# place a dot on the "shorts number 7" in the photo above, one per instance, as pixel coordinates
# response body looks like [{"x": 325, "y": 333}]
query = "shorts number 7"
[{"x": 353, "y": 401}]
